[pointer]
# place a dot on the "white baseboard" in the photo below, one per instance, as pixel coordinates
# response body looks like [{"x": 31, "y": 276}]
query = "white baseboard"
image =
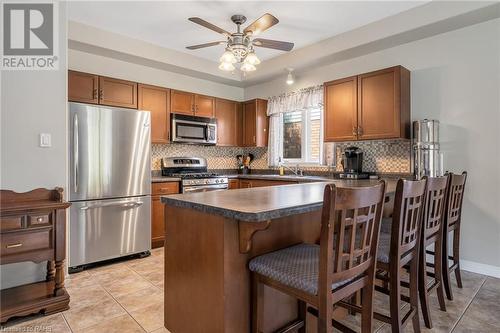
[{"x": 476, "y": 267}]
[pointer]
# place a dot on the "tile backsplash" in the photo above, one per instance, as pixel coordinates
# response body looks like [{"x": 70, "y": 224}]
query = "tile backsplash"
[{"x": 389, "y": 156}]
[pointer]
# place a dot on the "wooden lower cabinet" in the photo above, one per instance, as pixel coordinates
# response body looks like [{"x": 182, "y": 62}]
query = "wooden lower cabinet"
[
  {"x": 158, "y": 211},
  {"x": 250, "y": 183},
  {"x": 233, "y": 184}
]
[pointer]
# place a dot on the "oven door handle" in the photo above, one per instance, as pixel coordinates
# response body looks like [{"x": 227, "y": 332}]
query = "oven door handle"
[{"x": 189, "y": 189}]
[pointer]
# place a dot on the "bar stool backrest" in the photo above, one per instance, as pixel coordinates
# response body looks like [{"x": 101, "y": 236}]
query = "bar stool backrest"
[
  {"x": 407, "y": 219},
  {"x": 455, "y": 199},
  {"x": 434, "y": 208},
  {"x": 350, "y": 227}
]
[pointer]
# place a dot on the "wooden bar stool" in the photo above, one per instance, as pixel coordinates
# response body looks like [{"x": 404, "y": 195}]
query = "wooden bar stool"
[
  {"x": 453, "y": 216},
  {"x": 432, "y": 234},
  {"x": 321, "y": 275},
  {"x": 398, "y": 249}
]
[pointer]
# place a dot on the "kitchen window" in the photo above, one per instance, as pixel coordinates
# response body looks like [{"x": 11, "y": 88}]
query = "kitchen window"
[{"x": 301, "y": 136}]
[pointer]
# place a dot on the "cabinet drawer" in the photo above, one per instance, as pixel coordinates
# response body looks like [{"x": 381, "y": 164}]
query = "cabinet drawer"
[
  {"x": 24, "y": 241},
  {"x": 39, "y": 219},
  {"x": 165, "y": 188},
  {"x": 11, "y": 222}
]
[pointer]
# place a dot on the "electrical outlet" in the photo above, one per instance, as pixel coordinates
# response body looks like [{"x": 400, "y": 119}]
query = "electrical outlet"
[{"x": 45, "y": 140}]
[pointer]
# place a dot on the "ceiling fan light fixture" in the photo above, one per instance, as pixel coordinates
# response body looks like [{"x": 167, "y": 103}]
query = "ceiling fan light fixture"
[
  {"x": 228, "y": 57},
  {"x": 226, "y": 66},
  {"x": 246, "y": 67},
  {"x": 252, "y": 58}
]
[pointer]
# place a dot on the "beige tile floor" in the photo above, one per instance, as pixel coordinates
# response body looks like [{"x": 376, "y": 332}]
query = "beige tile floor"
[{"x": 128, "y": 297}]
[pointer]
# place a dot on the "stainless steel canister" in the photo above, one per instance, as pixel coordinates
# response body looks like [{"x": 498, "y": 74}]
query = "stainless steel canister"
[{"x": 426, "y": 132}]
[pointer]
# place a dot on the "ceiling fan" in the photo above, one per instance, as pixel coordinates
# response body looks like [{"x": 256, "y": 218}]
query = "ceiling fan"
[{"x": 239, "y": 45}]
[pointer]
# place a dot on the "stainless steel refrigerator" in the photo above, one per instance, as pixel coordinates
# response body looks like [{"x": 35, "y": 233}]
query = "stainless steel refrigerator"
[{"x": 110, "y": 183}]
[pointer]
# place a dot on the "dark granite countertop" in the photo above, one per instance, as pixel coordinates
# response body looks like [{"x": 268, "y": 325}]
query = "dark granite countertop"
[{"x": 264, "y": 203}]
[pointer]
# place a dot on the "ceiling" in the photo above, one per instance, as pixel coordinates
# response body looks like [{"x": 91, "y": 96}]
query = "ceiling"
[{"x": 165, "y": 23}]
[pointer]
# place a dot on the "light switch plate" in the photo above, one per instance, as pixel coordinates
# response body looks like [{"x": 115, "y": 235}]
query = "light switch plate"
[{"x": 45, "y": 140}]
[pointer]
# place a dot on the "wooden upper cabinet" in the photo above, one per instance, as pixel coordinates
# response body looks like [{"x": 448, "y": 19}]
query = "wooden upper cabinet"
[
  {"x": 262, "y": 123},
  {"x": 83, "y": 87},
  {"x": 192, "y": 104},
  {"x": 384, "y": 104},
  {"x": 249, "y": 124},
  {"x": 255, "y": 123},
  {"x": 204, "y": 106},
  {"x": 239, "y": 124},
  {"x": 157, "y": 101},
  {"x": 370, "y": 106},
  {"x": 227, "y": 118},
  {"x": 115, "y": 92},
  {"x": 340, "y": 110},
  {"x": 181, "y": 102}
]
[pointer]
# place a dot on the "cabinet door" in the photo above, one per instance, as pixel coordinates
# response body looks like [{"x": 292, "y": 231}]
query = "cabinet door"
[
  {"x": 225, "y": 112},
  {"x": 115, "y": 92},
  {"x": 239, "y": 124},
  {"x": 245, "y": 183},
  {"x": 83, "y": 87},
  {"x": 262, "y": 123},
  {"x": 249, "y": 124},
  {"x": 157, "y": 101},
  {"x": 157, "y": 222},
  {"x": 340, "y": 110},
  {"x": 379, "y": 104},
  {"x": 204, "y": 106},
  {"x": 233, "y": 184},
  {"x": 181, "y": 102}
]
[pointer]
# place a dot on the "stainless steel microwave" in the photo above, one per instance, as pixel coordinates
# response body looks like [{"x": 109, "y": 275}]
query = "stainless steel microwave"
[{"x": 194, "y": 130}]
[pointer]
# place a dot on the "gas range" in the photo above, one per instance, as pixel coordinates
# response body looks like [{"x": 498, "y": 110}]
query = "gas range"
[{"x": 193, "y": 174}]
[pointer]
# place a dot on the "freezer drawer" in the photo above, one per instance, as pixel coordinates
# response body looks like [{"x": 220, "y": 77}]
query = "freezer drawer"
[{"x": 106, "y": 229}]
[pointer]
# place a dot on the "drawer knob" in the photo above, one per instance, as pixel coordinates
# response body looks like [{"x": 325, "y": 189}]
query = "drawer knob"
[
  {"x": 39, "y": 219},
  {"x": 10, "y": 246}
]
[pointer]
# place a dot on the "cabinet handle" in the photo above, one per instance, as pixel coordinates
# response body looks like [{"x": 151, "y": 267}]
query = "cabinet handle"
[
  {"x": 101, "y": 94},
  {"x": 354, "y": 131},
  {"x": 94, "y": 94},
  {"x": 254, "y": 139},
  {"x": 39, "y": 219},
  {"x": 360, "y": 130},
  {"x": 10, "y": 246}
]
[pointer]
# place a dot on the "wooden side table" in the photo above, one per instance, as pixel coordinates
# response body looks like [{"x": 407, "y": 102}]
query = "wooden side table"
[{"x": 33, "y": 228}]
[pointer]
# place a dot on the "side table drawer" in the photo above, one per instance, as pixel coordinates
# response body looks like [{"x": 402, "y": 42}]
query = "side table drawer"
[
  {"x": 39, "y": 219},
  {"x": 8, "y": 223},
  {"x": 25, "y": 241}
]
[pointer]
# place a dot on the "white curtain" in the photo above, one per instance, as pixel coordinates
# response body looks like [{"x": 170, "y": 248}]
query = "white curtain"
[{"x": 300, "y": 100}]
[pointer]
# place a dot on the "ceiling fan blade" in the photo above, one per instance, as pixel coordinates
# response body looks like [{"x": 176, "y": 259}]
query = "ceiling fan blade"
[
  {"x": 261, "y": 24},
  {"x": 200, "y": 46},
  {"x": 209, "y": 25},
  {"x": 273, "y": 44}
]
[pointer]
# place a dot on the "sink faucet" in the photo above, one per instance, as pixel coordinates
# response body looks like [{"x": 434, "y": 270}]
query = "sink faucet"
[{"x": 297, "y": 171}]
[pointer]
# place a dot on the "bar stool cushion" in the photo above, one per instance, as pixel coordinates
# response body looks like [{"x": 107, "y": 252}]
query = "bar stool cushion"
[
  {"x": 384, "y": 247},
  {"x": 296, "y": 266}
]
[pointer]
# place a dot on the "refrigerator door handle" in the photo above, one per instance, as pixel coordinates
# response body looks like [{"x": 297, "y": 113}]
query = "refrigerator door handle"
[
  {"x": 75, "y": 152},
  {"x": 125, "y": 204}
]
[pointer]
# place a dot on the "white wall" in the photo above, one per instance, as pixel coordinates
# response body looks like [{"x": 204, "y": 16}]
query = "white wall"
[
  {"x": 33, "y": 102},
  {"x": 92, "y": 63},
  {"x": 455, "y": 79}
]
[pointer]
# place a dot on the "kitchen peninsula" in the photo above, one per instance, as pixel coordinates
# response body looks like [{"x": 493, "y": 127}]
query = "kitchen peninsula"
[{"x": 211, "y": 237}]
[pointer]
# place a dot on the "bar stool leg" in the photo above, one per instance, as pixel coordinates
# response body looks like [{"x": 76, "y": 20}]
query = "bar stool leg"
[
  {"x": 414, "y": 293},
  {"x": 446, "y": 268},
  {"x": 456, "y": 256},
  {"x": 257, "y": 304},
  {"x": 438, "y": 273},
  {"x": 422, "y": 288},
  {"x": 367, "y": 309},
  {"x": 302, "y": 312},
  {"x": 394, "y": 296}
]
